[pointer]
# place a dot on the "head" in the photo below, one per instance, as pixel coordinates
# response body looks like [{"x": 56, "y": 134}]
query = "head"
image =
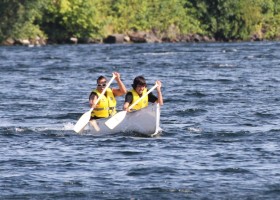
[
  {"x": 101, "y": 83},
  {"x": 139, "y": 84}
]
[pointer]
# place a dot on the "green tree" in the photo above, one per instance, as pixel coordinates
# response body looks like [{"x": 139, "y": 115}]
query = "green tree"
[
  {"x": 270, "y": 25},
  {"x": 230, "y": 19},
  {"x": 156, "y": 15},
  {"x": 18, "y": 19},
  {"x": 74, "y": 18},
  {"x": 173, "y": 13},
  {"x": 61, "y": 19}
]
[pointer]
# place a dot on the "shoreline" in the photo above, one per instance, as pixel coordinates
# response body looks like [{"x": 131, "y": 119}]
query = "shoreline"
[{"x": 131, "y": 38}]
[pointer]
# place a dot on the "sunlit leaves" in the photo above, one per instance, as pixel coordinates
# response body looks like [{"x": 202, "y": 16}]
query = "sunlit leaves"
[
  {"x": 62, "y": 19},
  {"x": 18, "y": 19}
]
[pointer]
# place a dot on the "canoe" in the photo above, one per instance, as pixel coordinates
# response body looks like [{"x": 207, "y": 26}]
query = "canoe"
[{"x": 144, "y": 122}]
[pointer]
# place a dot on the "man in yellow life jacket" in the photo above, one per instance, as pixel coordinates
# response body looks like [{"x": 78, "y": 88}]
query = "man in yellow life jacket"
[
  {"x": 140, "y": 88},
  {"x": 106, "y": 107}
]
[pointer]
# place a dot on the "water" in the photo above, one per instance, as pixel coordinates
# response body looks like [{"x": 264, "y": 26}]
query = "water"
[{"x": 220, "y": 123}]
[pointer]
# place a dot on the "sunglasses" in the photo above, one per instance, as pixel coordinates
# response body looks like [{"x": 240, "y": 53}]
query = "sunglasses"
[{"x": 102, "y": 85}]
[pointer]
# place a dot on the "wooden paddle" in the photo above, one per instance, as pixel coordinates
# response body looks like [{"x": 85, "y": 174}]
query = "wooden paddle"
[
  {"x": 119, "y": 117},
  {"x": 84, "y": 119}
]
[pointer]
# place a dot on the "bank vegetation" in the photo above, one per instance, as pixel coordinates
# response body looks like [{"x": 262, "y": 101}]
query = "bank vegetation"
[{"x": 40, "y": 22}]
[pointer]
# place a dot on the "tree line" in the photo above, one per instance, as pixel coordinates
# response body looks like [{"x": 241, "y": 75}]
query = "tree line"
[{"x": 59, "y": 20}]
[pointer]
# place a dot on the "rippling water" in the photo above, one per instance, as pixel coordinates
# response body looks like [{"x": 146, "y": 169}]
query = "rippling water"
[{"x": 220, "y": 121}]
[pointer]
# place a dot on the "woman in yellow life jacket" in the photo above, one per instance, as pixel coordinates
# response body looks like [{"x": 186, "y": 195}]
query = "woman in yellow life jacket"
[
  {"x": 139, "y": 87},
  {"x": 106, "y": 107}
]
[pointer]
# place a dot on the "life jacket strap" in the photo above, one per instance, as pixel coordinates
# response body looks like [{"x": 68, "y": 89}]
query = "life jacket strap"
[{"x": 109, "y": 108}]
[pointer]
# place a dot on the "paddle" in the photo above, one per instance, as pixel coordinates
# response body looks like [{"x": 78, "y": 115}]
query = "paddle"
[
  {"x": 84, "y": 119},
  {"x": 119, "y": 117}
]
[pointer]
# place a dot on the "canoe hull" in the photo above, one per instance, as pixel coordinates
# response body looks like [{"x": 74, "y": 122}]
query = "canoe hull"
[{"x": 145, "y": 122}]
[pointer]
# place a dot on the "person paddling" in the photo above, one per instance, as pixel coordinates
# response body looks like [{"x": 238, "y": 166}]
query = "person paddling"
[
  {"x": 106, "y": 107},
  {"x": 139, "y": 88}
]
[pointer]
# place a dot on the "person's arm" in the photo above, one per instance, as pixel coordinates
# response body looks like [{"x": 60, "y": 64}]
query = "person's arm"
[
  {"x": 152, "y": 98},
  {"x": 127, "y": 101},
  {"x": 160, "y": 99},
  {"x": 122, "y": 89},
  {"x": 92, "y": 99}
]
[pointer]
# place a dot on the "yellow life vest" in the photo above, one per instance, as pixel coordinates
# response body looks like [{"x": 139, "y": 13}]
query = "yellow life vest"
[
  {"x": 106, "y": 106},
  {"x": 143, "y": 103}
]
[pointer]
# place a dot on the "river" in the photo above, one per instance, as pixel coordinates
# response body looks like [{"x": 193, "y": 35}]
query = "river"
[{"x": 220, "y": 121}]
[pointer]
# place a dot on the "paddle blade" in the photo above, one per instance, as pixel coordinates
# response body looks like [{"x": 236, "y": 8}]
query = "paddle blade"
[
  {"x": 82, "y": 122},
  {"x": 115, "y": 120}
]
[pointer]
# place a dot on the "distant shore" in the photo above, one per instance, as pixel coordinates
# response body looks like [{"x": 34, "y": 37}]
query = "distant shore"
[{"x": 134, "y": 37}]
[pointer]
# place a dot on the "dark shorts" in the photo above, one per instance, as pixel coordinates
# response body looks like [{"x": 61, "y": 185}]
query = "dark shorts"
[{"x": 91, "y": 118}]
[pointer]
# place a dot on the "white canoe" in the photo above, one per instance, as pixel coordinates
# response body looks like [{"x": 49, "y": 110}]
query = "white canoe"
[{"x": 145, "y": 122}]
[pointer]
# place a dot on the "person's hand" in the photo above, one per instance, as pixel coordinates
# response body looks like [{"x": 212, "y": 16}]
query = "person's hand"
[
  {"x": 117, "y": 75},
  {"x": 127, "y": 109},
  {"x": 158, "y": 85},
  {"x": 126, "y": 106}
]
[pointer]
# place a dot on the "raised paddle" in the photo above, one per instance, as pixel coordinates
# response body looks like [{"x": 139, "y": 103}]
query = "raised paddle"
[
  {"x": 119, "y": 117},
  {"x": 84, "y": 119}
]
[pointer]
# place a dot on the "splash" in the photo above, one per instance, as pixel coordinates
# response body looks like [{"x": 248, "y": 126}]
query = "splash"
[
  {"x": 19, "y": 129},
  {"x": 68, "y": 126},
  {"x": 195, "y": 129}
]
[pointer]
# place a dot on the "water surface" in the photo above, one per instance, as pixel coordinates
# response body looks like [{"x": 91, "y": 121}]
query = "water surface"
[{"x": 220, "y": 123}]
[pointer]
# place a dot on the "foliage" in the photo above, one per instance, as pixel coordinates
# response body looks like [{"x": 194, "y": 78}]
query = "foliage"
[
  {"x": 73, "y": 18},
  {"x": 231, "y": 19},
  {"x": 270, "y": 26},
  {"x": 18, "y": 19},
  {"x": 152, "y": 15},
  {"x": 61, "y": 19}
]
